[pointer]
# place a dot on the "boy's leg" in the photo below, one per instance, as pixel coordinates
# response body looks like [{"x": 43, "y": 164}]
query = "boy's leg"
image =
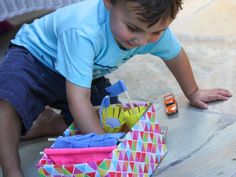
[
  {"x": 42, "y": 126},
  {"x": 35, "y": 92},
  {"x": 10, "y": 131}
]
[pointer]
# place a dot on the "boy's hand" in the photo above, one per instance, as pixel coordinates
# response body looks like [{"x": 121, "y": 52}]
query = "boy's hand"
[{"x": 201, "y": 97}]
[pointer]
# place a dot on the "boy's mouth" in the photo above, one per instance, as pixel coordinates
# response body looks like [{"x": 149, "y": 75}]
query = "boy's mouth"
[
  {"x": 131, "y": 44},
  {"x": 125, "y": 45}
]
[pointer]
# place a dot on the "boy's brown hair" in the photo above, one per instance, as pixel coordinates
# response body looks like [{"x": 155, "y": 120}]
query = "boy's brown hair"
[{"x": 151, "y": 11}]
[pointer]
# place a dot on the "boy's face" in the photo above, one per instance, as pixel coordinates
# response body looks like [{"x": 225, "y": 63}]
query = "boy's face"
[{"x": 128, "y": 30}]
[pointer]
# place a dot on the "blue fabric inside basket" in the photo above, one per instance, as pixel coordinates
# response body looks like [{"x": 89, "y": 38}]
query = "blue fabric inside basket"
[{"x": 88, "y": 140}]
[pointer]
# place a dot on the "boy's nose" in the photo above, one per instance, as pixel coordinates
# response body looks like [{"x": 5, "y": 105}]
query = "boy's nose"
[{"x": 141, "y": 41}]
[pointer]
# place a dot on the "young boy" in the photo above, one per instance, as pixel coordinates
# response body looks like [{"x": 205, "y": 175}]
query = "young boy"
[{"x": 63, "y": 57}]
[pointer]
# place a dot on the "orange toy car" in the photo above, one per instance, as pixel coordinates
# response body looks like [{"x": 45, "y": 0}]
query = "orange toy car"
[{"x": 171, "y": 106}]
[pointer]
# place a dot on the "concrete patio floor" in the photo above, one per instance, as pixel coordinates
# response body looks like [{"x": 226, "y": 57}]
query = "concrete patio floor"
[{"x": 201, "y": 143}]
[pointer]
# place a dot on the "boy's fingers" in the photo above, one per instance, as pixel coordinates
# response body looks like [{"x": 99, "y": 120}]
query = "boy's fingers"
[
  {"x": 216, "y": 97},
  {"x": 200, "y": 104},
  {"x": 222, "y": 92}
]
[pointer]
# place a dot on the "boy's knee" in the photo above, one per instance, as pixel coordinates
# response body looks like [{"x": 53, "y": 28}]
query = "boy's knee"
[
  {"x": 9, "y": 118},
  {"x": 7, "y": 110},
  {"x": 5, "y": 106}
]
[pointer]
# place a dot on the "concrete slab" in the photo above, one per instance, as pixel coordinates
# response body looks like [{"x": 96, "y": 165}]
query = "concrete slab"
[
  {"x": 200, "y": 144},
  {"x": 30, "y": 153},
  {"x": 207, "y": 17}
]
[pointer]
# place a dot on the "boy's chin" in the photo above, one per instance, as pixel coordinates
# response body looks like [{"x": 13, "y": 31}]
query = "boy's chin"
[{"x": 127, "y": 46}]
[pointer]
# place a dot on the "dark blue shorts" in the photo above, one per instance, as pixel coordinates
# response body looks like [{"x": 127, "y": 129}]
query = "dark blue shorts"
[{"x": 29, "y": 86}]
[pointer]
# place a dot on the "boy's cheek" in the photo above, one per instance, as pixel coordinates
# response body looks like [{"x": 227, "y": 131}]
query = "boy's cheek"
[
  {"x": 124, "y": 35},
  {"x": 121, "y": 32}
]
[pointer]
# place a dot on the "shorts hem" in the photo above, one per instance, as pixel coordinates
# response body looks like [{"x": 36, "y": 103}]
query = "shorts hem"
[{"x": 11, "y": 99}]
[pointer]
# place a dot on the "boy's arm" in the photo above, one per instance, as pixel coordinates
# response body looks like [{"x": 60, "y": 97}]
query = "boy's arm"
[
  {"x": 82, "y": 110},
  {"x": 181, "y": 69}
]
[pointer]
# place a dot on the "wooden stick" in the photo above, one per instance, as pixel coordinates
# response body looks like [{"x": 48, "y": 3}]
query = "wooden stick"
[
  {"x": 130, "y": 103},
  {"x": 51, "y": 139}
]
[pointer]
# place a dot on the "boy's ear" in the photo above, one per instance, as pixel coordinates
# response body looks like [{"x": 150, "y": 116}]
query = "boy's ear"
[{"x": 108, "y": 4}]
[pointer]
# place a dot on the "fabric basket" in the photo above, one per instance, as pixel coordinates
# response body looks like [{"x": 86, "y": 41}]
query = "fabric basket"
[{"x": 138, "y": 154}]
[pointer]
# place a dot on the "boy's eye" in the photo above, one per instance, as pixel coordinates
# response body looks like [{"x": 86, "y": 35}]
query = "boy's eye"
[
  {"x": 157, "y": 33},
  {"x": 132, "y": 29}
]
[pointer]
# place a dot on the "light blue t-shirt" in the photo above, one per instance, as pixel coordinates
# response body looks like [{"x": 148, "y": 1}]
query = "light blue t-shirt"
[{"x": 76, "y": 42}]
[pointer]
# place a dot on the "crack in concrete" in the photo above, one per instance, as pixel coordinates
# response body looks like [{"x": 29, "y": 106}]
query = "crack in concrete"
[
  {"x": 204, "y": 6},
  {"x": 224, "y": 123},
  {"x": 234, "y": 175},
  {"x": 225, "y": 116},
  {"x": 177, "y": 162},
  {"x": 207, "y": 38},
  {"x": 221, "y": 126}
]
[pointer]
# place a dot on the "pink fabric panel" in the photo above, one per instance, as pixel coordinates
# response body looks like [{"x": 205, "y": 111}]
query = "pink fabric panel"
[{"x": 71, "y": 156}]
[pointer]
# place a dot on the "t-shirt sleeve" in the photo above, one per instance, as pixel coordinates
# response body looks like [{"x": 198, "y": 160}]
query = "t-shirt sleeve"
[
  {"x": 168, "y": 47},
  {"x": 75, "y": 56}
]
